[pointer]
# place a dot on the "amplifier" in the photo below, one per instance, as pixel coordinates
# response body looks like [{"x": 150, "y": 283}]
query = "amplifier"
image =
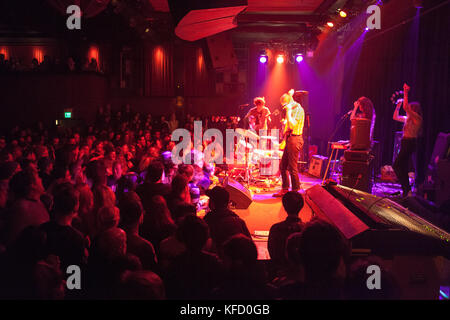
[
  {"x": 317, "y": 166},
  {"x": 357, "y": 155},
  {"x": 357, "y": 175}
]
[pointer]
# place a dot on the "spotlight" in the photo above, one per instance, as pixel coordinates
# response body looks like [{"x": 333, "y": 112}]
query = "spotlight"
[
  {"x": 367, "y": 29},
  {"x": 280, "y": 58},
  {"x": 330, "y": 24},
  {"x": 342, "y": 13},
  {"x": 263, "y": 59},
  {"x": 299, "y": 58}
]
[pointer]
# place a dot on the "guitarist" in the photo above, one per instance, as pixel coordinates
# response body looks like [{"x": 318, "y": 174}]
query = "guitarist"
[
  {"x": 293, "y": 130},
  {"x": 259, "y": 116}
]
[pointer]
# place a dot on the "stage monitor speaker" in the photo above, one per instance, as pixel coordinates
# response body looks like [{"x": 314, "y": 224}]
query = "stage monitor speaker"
[
  {"x": 240, "y": 196},
  {"x": 317, "y": 166},
  {"x": 360, "y": 134},
  {"x": 222, "y": 52},
  {"x": 357, "y": 175}
]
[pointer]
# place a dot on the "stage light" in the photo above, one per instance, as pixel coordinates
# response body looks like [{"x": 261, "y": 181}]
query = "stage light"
[
  {"x": 330, "y": 24},
  {"x": 299, "y": 58},
  {"x": 367, "y": 29},
  {"x": 342, "y": 13},
  {"x": 280, "y": 58},
  {"x": 263, "y": 59}
]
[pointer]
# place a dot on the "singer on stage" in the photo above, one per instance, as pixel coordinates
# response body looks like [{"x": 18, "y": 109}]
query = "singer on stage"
[
  {"x": 412, "y": 125},
  {"x": 363, "y": 109},
  {"x": 293, "y": 130}
]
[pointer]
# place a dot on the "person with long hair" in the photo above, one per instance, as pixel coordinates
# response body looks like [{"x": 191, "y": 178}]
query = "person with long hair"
[
  {"x": 363, "y": 109},
  {"x": 158, "y": 223},
  {"x": 411, "y": 131}
]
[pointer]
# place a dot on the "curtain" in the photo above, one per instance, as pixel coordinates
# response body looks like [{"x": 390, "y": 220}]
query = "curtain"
[
  {"x": 158, "y": 63},
  {"x": 198, "y": 79}
]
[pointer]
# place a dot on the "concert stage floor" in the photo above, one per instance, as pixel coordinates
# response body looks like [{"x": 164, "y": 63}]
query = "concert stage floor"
[{"x": 266, "y": 210}]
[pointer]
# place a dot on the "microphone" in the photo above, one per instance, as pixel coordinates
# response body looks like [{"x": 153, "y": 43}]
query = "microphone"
[{"x": 349, "y": 113}]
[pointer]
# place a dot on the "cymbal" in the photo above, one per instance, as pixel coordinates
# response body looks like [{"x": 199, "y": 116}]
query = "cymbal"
[{"x": 247, "y": 133}]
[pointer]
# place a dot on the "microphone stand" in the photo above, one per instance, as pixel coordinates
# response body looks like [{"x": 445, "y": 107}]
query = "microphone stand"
[{"x": 339, "y": 124}]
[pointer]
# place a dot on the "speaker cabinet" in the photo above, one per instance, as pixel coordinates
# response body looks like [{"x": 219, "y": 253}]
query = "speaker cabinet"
[
  {"x": 360, "y": 134},
  {"x": 357, "y": 175},
  {"x": 240, "y": 196},
  {"x": 317, "y": 166},
  {"x": 222, "y": 52},
  {"x": 357, "y": 155}
]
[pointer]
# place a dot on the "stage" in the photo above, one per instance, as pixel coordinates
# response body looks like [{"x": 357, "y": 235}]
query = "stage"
[{"x": 266, "y": 210}]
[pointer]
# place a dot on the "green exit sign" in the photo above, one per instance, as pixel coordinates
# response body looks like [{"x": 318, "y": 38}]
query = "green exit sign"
[{"x": 68, "y": 115}]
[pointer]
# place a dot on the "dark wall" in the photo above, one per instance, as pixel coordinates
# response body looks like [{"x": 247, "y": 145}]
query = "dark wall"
[{"x": 26, "y": 98}]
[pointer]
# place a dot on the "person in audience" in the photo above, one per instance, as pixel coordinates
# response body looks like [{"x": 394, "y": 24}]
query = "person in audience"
[
  {"x": 179, "y": 194},
  {"x": 188, "y": 171},
  {"x": 279, "y": 232},
  {"x": 131, "y": 217},
  {"x": 140, "y": 285},
  {"x": 244, "y": 277},
  {"x": 157, "y": 223},
  {"x": 27, "y": 271},
  {"x": 84, "y": 221},
  {"x": 194, "y": 273},
  {"x": 152, "y": 185},
  {"x": 62, "y": 239},
  {"x": 319, "y": 253},
  {"x": 107, "y": 261},
  {"x": 223, "y": 223},
  {"x": 27, "y": 208}
]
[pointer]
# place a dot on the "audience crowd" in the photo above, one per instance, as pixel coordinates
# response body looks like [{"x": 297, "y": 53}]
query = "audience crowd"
[
  {"x": 108, "y": 198},
  {"x": 48, "y": 64}
]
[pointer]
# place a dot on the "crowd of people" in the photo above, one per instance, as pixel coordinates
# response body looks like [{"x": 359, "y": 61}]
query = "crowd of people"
[
  {"x": 48, "y": 64},
  {"x": 108, "y": 199}
]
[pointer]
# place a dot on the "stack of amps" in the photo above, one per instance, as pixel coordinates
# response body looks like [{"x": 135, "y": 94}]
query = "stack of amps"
[{"x": 357, "y": 168}]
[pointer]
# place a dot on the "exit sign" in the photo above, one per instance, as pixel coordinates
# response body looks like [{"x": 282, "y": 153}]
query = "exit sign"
[{"x": 68, "y": 114}]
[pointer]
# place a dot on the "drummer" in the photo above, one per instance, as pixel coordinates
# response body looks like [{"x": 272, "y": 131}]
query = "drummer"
[{"x": 258, "y": 117}]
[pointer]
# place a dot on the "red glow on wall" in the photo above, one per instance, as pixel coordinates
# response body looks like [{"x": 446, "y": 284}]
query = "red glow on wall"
[
  {"x": 38, "y": 54},
  {"x": 5, "y": 52},
  {"x": 158, "y": 55},
  {"x": 93, "y": 53},
  {"x": 200, "y": 60}
]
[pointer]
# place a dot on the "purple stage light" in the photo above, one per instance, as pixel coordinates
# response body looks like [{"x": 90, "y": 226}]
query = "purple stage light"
[
  {"x": 263, "y": 59},
  {"x": 299, "y": 58}
]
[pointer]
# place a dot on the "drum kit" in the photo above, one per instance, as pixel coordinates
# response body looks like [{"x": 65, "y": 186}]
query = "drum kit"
[{"x": 260, "y": 165}]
